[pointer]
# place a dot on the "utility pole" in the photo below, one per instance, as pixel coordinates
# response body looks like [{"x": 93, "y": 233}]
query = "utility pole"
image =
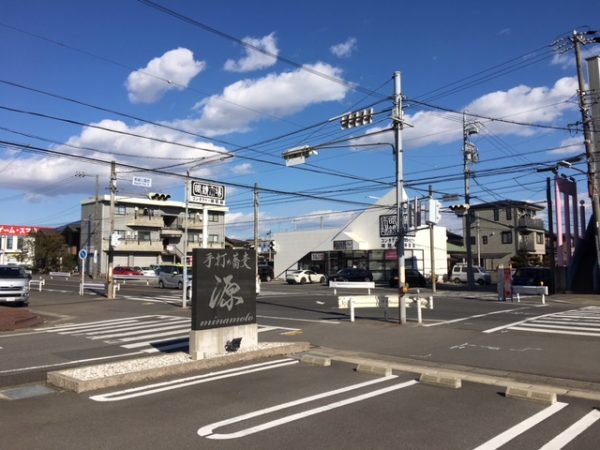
[
  {"x": 110, "y": 282},
  {"x": 256, "y": 205},
  {"x": 400, "y": 204},
  {"x": 551, "y": 230},
  {"x": 592, "y": 157},
  {"x": 470, "y": 155},
  {"x": 432, "y": 246}
]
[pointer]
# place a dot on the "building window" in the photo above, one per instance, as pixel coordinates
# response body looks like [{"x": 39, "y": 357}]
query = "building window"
[
  {"x": 9, "y": 242},
  {"x": 472, "y": 240},
  {"x": 213, "y": 217},
  {"x": 213, "y": 238},
  {"x": 484, "y": 240},
  {"x": 508, "y": 214},
  {"x": 144, "y": 236},
  {"x": 496, "y": 214},
  {"x": 120, "y": 210},
  {"x": 539, "y": 238},
  {"x": 20, "y": 243},
  {"x": 507, "y": 237}
]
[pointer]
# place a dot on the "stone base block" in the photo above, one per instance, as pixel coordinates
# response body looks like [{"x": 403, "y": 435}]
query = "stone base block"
[{"x": 218, "y": 341}]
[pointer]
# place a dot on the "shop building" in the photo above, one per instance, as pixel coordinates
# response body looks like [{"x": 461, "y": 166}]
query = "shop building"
[
  {"x": 368, "y": 241},
  {"x": 16, "y": 244}
]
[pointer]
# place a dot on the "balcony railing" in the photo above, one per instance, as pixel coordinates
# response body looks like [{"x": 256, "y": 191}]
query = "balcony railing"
[
  {"x": 530, "y": 223},
  {"x": 145, "y": 221},
  {"x": 133, "y": 245}
]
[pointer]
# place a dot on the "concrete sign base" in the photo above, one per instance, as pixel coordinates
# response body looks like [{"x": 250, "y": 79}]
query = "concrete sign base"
[{"x": 206, "y": 343}]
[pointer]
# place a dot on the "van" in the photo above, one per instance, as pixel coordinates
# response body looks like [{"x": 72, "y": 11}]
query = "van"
[
  {"x": 14, "y": 284},
  {"x": 480, "y": 275}
]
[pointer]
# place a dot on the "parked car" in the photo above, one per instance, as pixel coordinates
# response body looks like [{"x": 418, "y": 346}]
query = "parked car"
[
  {"x": 304, "y": 276},
  {"x": 412, "y": 277},
  {"x": 172, "y": 277},
  {"x": 14, "y": 284},
  {"x": 480, "y": 275},
  {"x": 148, "y": 271},
  {"x": 265, "y": 272},
  {"x": 126, "y": 271},
  {"x": 534, "y": 276},
  {"x": 352, "y": 274}
]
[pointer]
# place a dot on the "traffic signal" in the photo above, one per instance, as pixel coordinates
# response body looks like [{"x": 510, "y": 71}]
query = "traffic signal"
[
  {"x": 357, "y": 119},
  {"x": 272, "y": 245},
  {"x": 433, "y": 211},
  {"x": 159, "y": 196},
  {"x": 460, "y": 210}
]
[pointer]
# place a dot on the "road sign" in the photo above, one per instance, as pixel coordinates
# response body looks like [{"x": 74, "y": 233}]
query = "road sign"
[
  {"x": 142, "y": 181},
  {"x": 83, "y": 254}
]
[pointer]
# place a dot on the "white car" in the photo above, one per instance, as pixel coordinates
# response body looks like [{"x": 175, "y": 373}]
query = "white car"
[
  {"x": 148, "y": 272},
  {"x": 304, "y": 276}
]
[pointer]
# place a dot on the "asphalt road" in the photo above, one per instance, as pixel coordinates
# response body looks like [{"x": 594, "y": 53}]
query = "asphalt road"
[{"x": 557, "y": 342}]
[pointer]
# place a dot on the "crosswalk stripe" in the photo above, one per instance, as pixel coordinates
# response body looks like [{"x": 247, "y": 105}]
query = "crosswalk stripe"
[
  {"x": 139, "y": 327},
  {"x": 108, "y": 328},
  {"x": 540, "y": 330},
  {"x": 177, "y": 326}
]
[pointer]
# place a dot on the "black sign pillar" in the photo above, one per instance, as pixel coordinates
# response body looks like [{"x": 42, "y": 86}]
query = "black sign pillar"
[{"x": 224, "y": 300}]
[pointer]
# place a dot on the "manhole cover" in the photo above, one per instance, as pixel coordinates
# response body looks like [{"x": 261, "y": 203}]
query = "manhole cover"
[{"x": 19, "y": 393}]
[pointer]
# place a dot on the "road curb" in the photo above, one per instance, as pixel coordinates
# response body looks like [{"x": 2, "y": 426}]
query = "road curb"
[
  {"x": 70, "y": 381},
  {"x": 500, "y": 378}
]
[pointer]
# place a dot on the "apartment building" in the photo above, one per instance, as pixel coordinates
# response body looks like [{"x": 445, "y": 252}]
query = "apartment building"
[
  {"x": 502, "y": 229},
  {"x": 147, "y": 231}
]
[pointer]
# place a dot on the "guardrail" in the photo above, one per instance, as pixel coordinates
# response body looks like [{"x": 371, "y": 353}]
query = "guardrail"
[
  {"x": 96, "y": 287},
  {"x": 59, "y": 274},
  {"x": 125, "y": 278},
  {"x": 530, "y": 290},
  {"x": 383, "y": 301},
  {"x": 39, "y": 283},
  {"x": 352, "y": 285}
]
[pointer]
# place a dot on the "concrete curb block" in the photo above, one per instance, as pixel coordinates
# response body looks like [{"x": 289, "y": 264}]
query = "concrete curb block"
[
  {"x": 527, "y": 393},
  {"x": 441, "y": 380},
  {"x": 316, "y": 360},
  {"x": 374, "y": 369},
  {"x": 63, "y": 380}
]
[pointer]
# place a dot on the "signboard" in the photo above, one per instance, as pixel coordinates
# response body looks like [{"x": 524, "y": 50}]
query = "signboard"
[
  {"x": 83, "y": 254},
  {"x": 224, "y": 284},
  {"x": 343, "y": 245},
  {"x": 142, "y": 181},
  {"x": 387, "y": 226},
  {"x": 317, "y": 256},
  {"x": 207, "y": 193}
]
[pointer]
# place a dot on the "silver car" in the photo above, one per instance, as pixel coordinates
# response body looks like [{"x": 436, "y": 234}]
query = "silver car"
[
  {"x": 14, "y": 284},
  {"x": 172, "y": 277}
]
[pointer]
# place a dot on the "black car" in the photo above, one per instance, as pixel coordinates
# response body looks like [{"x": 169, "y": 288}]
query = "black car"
[
  {"x": 352, "y": 274},
  {"x": 265, "y": 272},
  {"x": 412, "y": 277},
  {"x": 534, "y": 276}
]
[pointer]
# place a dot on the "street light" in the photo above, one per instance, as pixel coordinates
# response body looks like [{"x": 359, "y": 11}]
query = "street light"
[{"x": 298, "y": 155}]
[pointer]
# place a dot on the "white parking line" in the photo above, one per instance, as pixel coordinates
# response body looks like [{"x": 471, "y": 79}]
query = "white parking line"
[
  {"x": 190, "y": 381},
  {"x": 330, "y": 322},
  {"x": 462, "y": 319},
  {"x": 521, "y": 427},
  {"x": 573, "y": 431},
  {"x": 207, "y": 431}
]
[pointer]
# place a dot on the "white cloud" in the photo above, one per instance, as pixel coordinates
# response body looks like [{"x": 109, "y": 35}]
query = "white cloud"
[
  {"x": 247, "y": 101},
  {"x": 344, "y": 49},
  {"x": 242, "y": 169},
  {"x": 566, "y": 58},
  {"x": 148, "y": 85},
  {"x": 570, "y": 146},
  {"x": 255, "y": 59}
]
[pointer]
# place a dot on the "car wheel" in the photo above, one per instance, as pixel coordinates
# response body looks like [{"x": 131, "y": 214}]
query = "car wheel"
[
  {"x": 457, "y": 280},
  {"x": 268, "y": 278},
  {"x": 161, "y": 284},
  {"x": 303, "y": 281},
  {"x": 367, "y": 279},
  {"x": 322, "y": 280},
  {"x": 180, "y": 285},
  {"x": 480, "y": 282}
]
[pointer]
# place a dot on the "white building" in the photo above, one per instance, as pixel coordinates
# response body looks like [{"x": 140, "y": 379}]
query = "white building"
[
  {"x": 368, "y": 241},
  {"x": 16, "y": 244}
]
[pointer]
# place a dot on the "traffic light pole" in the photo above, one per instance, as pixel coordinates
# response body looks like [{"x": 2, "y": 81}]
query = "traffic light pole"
[
  {"x": 467, "y": 238},
  {"x": 397, "y": 118}
]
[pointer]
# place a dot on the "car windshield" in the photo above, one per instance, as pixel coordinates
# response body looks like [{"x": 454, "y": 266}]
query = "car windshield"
[{"x": 11, "y": 272}]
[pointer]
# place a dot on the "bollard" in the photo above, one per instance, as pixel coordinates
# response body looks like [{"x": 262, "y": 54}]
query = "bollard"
[
  {"x": 431, "y": 302},
  {"x": 543, "y": 299},
  {"x": 419, "y": 316},
  {"x": 351, "y": 304},
  {"x": 518, "y": 298}
]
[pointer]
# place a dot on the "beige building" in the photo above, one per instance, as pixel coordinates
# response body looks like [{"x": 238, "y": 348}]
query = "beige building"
[
  {"x": 148, "y": 231},
  {"x": 500, "y": 230}
]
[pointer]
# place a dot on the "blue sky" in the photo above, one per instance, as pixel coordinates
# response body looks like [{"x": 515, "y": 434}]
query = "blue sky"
[{"x": 126, "y": 67}]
